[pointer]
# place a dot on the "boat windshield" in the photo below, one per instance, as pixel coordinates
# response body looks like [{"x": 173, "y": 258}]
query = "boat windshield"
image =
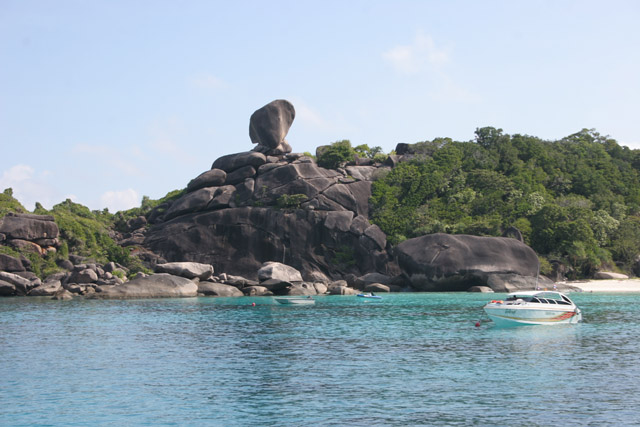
[{"x": 542, "y": 297}]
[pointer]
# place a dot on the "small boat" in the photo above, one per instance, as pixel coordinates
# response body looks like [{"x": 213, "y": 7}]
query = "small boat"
[
  {"x": 533, "y": 308},
  {"x": 369, "y": 295},
  {"x": 296, "y": 300}
]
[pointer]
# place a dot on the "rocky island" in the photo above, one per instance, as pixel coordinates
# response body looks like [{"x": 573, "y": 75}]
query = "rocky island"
[{"x": 270, "y": 222}]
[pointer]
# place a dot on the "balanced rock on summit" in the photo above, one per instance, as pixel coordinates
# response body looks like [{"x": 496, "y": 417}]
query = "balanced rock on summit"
[{"x": 269, "y": 125}]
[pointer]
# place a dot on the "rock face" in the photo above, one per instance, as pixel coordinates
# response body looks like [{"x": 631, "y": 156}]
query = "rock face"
[
  {"x": 272, "y": 205},
  {"x": 218, "y": 290},
  {"x": 442, "y": 262},
  {"x": 28, "y": 227},
  {"x": 279, "y": 271},
  {"x": 160, "y": 285},
  {"x": 269, "y": 125},
  {"x": 189, "y": 270},
  {"x": 35, "y": 233}
]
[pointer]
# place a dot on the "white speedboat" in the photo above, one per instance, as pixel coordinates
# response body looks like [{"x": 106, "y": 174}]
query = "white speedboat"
[
  {"x": 296, "y": 300},
  {"x": 533, "y": 308}
]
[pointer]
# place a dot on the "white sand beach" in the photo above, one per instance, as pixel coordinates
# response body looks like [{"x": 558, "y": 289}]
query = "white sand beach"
[{"x": 608, "y": 285}]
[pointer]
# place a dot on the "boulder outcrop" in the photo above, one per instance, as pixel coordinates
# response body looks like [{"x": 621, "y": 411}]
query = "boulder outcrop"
[
  {"x": 189, "y": 270},
  {"x": 278, "y": 271},
  {"x": 443, "y": 262},
  {"x": 33, "y": 233},
  {"x": 218, "y": 290},
  {"x": 160, "y": 285}
]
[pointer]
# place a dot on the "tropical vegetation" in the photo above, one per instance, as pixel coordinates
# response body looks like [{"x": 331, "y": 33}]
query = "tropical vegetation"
[{"x": 576, "y": 200}]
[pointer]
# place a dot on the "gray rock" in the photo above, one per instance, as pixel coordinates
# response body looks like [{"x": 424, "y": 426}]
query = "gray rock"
[
  {"x": 276, "y": 286},
  {"x": 359, "y": 225},
  {"x": 377, "y": 287},
  {"x": 62, "y": 295},
  {"x": 353, "y": 197},
  {"x": 244, "y": 191},
  {"x": 339, "y": 220},
  {"x": 224, "y": 197},
  {"x": 231, "y": 162},
  {"x": 28, "y": 227},
  {"x": 239, "y": 240},
  {"x": 218, "y": 290},
  {"x": 47, "y": 289},
  {"x": 22, "y": 285},
  {"x": 75, "y": 288},
  {"x": 316, "y": 277},
  {"x": 239, "y": 175},
  {"x": 189, "y": 270},
  {"x": 377, "y": 236},
  {"x": 191, "y": 202},
  {"x": 279, "y": 271},
  {"x": 210, "y": 178},
  {"x": 442, "y": 262},
  {"x": 160, "y": 285},
  {"x": 481, "y": 289},
  {"x": 10, "y": 264},
  {"x": 256, "y": 291},
  {"x": 301, "y": 289},
  {"x": 370, "y": 278},
  {"x": 110, "y": 267},
  {"x": 269, "y": 125},
  {"x": 26, "y": 245},
  {"x": 238, "y": 281},
  {"x": 65, "y": 263},
  {"x": 342, "y": 290},
  {"x": 300, "y": 178},
  {"x": 362, "y": 173},
  {"x": 7, "y": 289},
  {"x": 86, "y": 275},
  {"x": 321, "y": 288}
]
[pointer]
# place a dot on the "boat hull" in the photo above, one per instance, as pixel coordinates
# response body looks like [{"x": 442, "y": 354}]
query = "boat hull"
[
  {"x": 296, "y": 301},
  {"x": 509, "y": 316}
]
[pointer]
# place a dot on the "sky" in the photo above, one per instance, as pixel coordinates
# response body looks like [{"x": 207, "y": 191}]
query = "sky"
[{"x": 104, "y": 102}]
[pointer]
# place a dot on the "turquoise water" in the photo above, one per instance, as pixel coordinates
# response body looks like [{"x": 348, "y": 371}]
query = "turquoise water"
[{"x": 408, "y": 359}]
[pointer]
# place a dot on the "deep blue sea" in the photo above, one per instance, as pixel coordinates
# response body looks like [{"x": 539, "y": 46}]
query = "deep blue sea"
[{"x": 405, "y": 360}]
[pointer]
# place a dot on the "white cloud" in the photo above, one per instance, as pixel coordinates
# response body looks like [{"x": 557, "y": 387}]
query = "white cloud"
[
  {"x": 421, "y": 55},
  {"x": 120, "y": 200},
  {"x": 29, "y": 186}
]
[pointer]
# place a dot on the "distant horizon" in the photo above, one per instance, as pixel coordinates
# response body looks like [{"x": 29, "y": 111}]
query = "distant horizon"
[{"x": 104, "y": 102}]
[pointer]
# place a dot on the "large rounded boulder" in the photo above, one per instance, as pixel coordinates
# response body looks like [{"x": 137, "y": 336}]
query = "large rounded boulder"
[
  {"x": 270, "y": 124},
  {"x": 160, "y": 285},
  {"x": 443, "y": 262}
]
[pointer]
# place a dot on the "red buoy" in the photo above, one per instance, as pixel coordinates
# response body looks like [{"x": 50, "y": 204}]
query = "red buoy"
[
  {"x": 477, "y": 324},
  {"x": 253, "y": 304}
]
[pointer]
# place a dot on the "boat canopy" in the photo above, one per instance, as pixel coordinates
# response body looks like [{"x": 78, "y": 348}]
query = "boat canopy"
[{"x": 540, "y": 296}]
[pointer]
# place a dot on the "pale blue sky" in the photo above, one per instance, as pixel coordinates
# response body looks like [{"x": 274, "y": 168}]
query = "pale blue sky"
[{"x": 106, "y": 101}]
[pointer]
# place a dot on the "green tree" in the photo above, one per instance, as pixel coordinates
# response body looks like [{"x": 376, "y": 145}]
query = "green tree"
[{"x": 335, "y": 154}]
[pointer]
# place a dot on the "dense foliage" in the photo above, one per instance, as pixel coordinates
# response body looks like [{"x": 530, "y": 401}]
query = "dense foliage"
[
  {"x": 576, "y": 200},
  {"x": 83, "y": 232},
  {"x": 341, "y": 152}
]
